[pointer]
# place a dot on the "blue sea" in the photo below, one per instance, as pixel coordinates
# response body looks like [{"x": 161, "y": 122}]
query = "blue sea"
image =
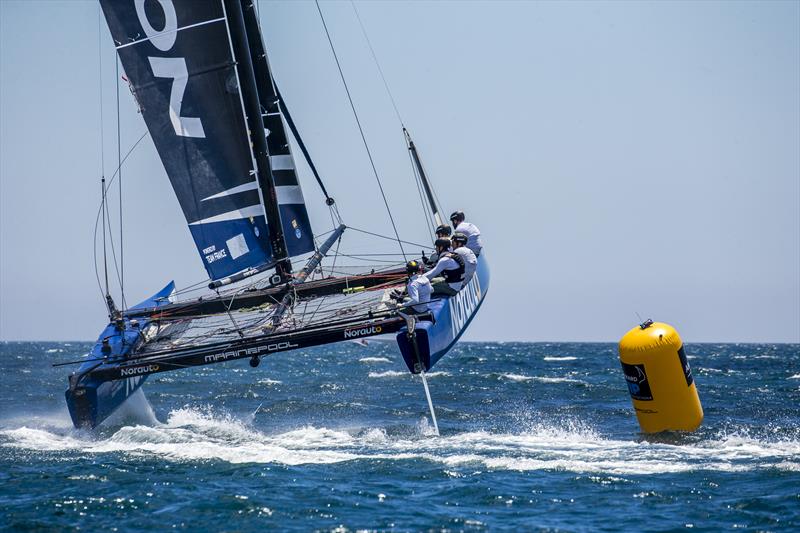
[{"x": 338, "y": 438}]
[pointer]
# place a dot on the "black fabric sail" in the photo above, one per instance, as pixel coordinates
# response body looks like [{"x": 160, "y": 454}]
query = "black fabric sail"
[
  {"x": 296, "y": 226},
  {"x": 178, "y": 58}
]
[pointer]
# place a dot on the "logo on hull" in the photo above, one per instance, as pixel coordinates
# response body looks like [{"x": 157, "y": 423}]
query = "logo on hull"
[
  {"x": 463, "y": 304},
  {"x": 245, "y": 352},
  {"x": 361, "y": 332},
  {"x": 138, "y": 370}
]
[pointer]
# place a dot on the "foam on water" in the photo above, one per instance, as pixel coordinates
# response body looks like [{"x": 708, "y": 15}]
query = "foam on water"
[
  {"x": 398, "y": 373},
  {"x": 200, "y": 434},
  {"x": 541, "y": 379},
  {"x": 555, "y": 358},
  {"x": 375, "y": 360}
]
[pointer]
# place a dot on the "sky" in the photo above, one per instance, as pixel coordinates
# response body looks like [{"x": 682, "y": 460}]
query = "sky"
[{"x": 623, "y": 160}]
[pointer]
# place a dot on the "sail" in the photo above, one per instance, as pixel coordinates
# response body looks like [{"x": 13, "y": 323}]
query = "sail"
[
  {"x": 294, "y": 217},
  {"x": 177, "y": 56}
]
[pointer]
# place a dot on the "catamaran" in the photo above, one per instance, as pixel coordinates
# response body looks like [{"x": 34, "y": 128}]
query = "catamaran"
[{"x": 202, "y": 81}]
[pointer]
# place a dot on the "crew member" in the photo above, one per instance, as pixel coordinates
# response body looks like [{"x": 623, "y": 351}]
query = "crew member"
[
  {"x": 470, "y": 230},
  {"x": 443, "y": 231},
  {"x": 470, "y": 261},
  {"x": 447, "y": 276},
  {"x": 418, "y": 289}
]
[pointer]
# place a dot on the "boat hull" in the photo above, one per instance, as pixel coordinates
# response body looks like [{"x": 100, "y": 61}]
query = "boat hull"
[
  {"x": 89, "y": 400},
  {"x": 451, "y": 316}
]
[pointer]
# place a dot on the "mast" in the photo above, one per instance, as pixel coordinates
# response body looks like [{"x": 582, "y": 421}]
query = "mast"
[
  {"x": 424, "y": 178},
  {"x": 249, "y": 91}
]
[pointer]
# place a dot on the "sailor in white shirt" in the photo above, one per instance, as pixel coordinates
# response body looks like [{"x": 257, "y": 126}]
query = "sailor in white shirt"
[
  {"x": 470, "y": 261},
  {"x": 450, "y": 270},
  {"x": 470, "y": 230},
  {"x": 419, "y": 288}
]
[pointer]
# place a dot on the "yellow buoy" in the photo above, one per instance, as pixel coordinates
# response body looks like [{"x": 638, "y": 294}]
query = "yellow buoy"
[{"x": 659, "y": 379}]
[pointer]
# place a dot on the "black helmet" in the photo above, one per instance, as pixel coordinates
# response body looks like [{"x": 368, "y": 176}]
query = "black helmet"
[
  {"x": 444, "y": 229},
  {"x": 457, "y": 215},
  {"x": 412, "y": 267},
  {"x": 459, "y": 237},
  {"x": 442, "y": 243}
]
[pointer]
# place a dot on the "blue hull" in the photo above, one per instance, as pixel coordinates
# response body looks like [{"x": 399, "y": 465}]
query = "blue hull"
[
  {"x": 90, "y": 401},
  {"x": 451, "y": 318}
]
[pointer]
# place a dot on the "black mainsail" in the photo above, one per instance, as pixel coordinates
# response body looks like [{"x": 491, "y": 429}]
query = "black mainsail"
[{"x": 179, "y": 58}]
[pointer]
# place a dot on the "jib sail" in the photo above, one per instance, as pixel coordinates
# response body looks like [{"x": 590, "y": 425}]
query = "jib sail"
[{"x": 178, "y": 58}]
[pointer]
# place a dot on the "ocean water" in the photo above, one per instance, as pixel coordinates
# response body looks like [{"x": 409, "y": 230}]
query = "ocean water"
[{"x": 533, "y": 437}]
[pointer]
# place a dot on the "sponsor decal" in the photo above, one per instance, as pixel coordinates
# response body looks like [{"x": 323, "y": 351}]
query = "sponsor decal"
[
  {"x": 296, "y": 226},
  {"x": 361, "y": 332},
  {"x": 638, "y": 385},
  {"x": 172, "y": 68},
  {"x": 131, "y": 384},
  {"x": 249, "y": 352},
  {"x": 687, "y": 372},
  {"x": 463, "y": 304},
  {"x": 138, "y": 370},
  {"x": 216, "y": 256}
]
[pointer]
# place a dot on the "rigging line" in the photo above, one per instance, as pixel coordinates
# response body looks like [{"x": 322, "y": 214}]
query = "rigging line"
[
  {"x": 105, "y": 258},
  {"x": 391, "y": 98},
  {"x": 360, "y": 129},
  {"x": 111, "y": 241},
  {"x": 418, "y": 181},
  {"x": 102, "y": 159},
  {"x": 100, "y": 88},
  {"x": 377, "y": 64},
  {"x": 101, "y": 210},
  {"x": 284, "y": 109},
  {"x": 385, "y": 237},
  {"x": 119, "y": 183}
]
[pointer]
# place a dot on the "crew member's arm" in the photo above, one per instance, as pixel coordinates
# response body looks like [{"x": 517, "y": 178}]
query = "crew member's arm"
[{"x": 443, "y": 263}]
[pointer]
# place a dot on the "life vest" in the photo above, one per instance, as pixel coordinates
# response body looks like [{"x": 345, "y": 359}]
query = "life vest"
[{"x": 454, "y": 275}]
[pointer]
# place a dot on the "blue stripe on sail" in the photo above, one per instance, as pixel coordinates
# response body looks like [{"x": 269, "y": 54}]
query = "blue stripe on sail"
[
  {"x": 230, "y": 246},
  {"x": 296, "y": 229}
]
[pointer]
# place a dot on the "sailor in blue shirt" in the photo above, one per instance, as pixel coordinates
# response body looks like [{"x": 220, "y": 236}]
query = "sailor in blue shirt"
[{"x": 470, "y": 230}]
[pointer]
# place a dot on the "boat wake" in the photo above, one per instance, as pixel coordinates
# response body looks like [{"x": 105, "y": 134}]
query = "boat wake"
[{"x": 193, "y": 434}]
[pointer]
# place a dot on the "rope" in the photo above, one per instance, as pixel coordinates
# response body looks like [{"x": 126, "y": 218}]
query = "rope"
[
  {"x": 360, "y": 129},
  {"x": 102, "y": 163},
  {"x": 418, "y": 178},
  {"x": 282, "y": 106},
  {"x": 385, "y": 237},
  {"x": 377, "y": 64},
  {"x": 101, "y": 210},
  {"x": 119, "y": 183}
]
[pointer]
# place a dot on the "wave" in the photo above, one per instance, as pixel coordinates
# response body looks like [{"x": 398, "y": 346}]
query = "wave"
[
  {"x": 398, "y": 373},
  {"x": 200, "y": 434},
  {"x": 554, "y": 358},
  {"x": 375, "y": 360},
  {"x": 541, "y": 379}
]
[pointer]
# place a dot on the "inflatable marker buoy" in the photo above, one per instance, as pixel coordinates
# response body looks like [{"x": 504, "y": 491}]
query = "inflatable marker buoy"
[{"x": 659, "y": 379}]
